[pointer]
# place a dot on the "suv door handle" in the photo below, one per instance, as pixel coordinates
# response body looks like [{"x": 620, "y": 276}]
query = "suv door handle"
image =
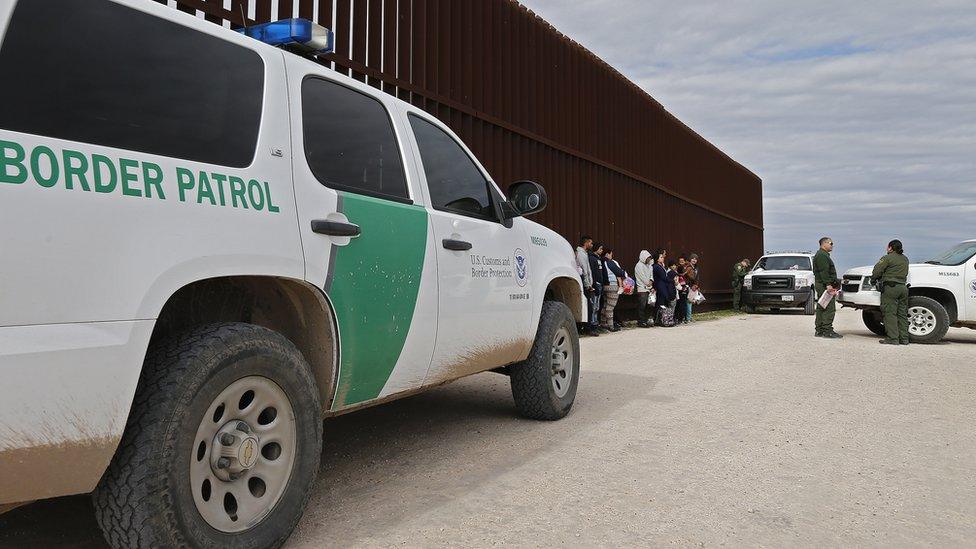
[
  {"x": 459, "y": 245},
  {"x": 335, "y": 228}
]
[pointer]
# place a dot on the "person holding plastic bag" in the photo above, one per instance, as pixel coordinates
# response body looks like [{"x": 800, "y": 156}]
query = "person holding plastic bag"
[
  {"x": 600, "y": 281},
  {"x": 691, "y": 283},
  {"x": 586, "y": 275},
  {"x": 644, "y": 280},
  {"x": 665, "y": 282}
]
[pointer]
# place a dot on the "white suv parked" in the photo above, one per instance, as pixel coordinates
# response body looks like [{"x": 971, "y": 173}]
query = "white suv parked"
[
  {"x": 942, "y": 293},
  {"x": 779, "y": 281},
  {"x": 210, "y": 244}
]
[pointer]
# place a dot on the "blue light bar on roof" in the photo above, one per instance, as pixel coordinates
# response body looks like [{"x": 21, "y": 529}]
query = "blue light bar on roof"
[{"x": 300, "y": 32}]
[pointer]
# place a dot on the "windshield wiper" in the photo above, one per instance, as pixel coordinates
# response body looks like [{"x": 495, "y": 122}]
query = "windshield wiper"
[{"x": 934, "y": 262}]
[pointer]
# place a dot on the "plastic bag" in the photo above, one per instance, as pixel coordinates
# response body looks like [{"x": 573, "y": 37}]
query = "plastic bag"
[
  {"x": 652, "y": 299},
  {"x": 629, "y": 286},
  {"x": 667, "y": 314}
]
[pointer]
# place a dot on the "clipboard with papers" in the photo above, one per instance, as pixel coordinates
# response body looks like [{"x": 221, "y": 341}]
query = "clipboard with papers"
[{"x": 825, "y": 298}]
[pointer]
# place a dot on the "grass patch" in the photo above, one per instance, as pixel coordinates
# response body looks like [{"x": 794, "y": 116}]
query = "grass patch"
[{"x": 716, "y": 315}]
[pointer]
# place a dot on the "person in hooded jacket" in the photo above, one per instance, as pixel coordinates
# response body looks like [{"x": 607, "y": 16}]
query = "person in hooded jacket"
[{"x": 644, "y": 282}]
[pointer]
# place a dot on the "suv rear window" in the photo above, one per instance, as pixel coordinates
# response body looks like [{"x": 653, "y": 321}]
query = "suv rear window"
[
  {"x": 349, "y": 141},
  {"x": 98, "y": 72}
]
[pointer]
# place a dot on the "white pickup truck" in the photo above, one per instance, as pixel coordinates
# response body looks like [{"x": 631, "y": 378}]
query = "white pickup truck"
[
  {"x": 779, "y": 281},
  {"x": 942, "y": 294}
]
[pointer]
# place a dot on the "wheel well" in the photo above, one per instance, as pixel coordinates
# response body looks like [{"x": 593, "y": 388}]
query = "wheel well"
[
  {"x": 566, "y": 290},
  {"x": 293, "y": 308},
  {"x": 944, "y": 297}
]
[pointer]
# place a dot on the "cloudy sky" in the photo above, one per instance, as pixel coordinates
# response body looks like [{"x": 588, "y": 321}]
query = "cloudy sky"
[{"x": 860, "y": 117}]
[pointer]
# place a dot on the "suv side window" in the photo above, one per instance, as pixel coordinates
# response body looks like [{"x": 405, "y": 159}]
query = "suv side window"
[
  {"x": 102, "y": 73},
  {"x": 455, "y": 183},
  {"x": 349, "y": 141}
]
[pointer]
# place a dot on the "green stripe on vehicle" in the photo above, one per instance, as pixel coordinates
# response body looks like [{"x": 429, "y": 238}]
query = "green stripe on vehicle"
[{"x": 375, "y": 282}]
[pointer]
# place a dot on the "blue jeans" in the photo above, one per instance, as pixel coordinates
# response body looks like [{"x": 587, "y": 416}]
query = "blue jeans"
[{"x": 688, "y": 315}]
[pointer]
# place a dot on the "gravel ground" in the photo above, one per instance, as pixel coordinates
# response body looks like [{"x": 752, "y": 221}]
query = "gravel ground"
[{"x": 746, "y": 431}]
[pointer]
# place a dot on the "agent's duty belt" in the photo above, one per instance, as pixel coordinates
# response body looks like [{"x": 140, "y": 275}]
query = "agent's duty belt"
[{"x": 891, "y": 283}]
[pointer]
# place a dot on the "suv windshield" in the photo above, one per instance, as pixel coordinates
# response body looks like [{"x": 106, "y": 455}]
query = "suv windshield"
[
  {"x": 784, "y": 263},
  {"x": 955, "y": 255}
]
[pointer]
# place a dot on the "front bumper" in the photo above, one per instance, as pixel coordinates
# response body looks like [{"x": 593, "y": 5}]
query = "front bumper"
[
  {"x": 861, "y": 299},
  {"x": 766, "y": 298}
]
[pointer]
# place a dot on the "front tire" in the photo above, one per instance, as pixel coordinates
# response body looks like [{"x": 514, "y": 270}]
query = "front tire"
[
  {"x": 222, "y": 444},
  {"x": 874, "y": 321},
  {"x": 544, "y": 385},
  {"x": 810, "y": 308},
  {"x": 928, "y": 320}
]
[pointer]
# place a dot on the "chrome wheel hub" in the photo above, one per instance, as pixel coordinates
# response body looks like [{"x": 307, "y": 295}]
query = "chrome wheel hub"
[
  {"x": 562, "y": 362},
  {"x": 243, "y": 454},
  {"x": 921, "y": 321}
]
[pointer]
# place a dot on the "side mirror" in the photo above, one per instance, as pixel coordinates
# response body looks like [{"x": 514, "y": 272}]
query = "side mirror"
[{"x": 525, "y": 198}]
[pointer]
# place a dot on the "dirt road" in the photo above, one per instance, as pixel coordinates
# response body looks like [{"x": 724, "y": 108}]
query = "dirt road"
[{"x": 744, "y": 431}]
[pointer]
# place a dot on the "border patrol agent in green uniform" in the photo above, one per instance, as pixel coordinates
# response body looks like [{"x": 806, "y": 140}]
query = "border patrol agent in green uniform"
[
  {"x": 825, "y": 280},
  {"x": 739, "y": 271},
  {"x": 891, "y": 275}
]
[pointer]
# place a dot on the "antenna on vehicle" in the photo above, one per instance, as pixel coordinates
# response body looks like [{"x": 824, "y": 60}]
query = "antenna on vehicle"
[{"x": 243, "y": 16}]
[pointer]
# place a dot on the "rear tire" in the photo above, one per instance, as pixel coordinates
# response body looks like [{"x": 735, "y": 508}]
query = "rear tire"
[
  {"x": 185, "y": 410},
  {"x": 544, "y": 386},
  {"x": 874, "y": 321},
  {"x": 928, "y": 320}
]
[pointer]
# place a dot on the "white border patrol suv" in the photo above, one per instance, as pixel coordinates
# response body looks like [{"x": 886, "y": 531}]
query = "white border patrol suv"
[
  {"x": 210, "y": 243},
  {"x": 941, "y": 293}
]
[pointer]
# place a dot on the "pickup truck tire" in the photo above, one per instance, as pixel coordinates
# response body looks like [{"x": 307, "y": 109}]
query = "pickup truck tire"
[
  {"x": 148, "y": 496},
  {"x": 874, "y": 321},
  {"x": 928, "y": 320},
  {"x": 810, "y": 308},
  {"x": 544, "y": 385}
]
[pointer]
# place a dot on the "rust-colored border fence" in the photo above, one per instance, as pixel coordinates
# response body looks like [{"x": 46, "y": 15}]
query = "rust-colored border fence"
[{"x": 534, "y": 104}]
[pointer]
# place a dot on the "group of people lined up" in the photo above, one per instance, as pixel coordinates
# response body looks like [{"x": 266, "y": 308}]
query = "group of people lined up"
[{"x": 666, "y": 287}]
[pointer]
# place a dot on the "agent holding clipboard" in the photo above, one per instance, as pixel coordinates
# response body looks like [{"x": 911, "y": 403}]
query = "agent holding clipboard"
[{"x": 825, "y": 281}]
